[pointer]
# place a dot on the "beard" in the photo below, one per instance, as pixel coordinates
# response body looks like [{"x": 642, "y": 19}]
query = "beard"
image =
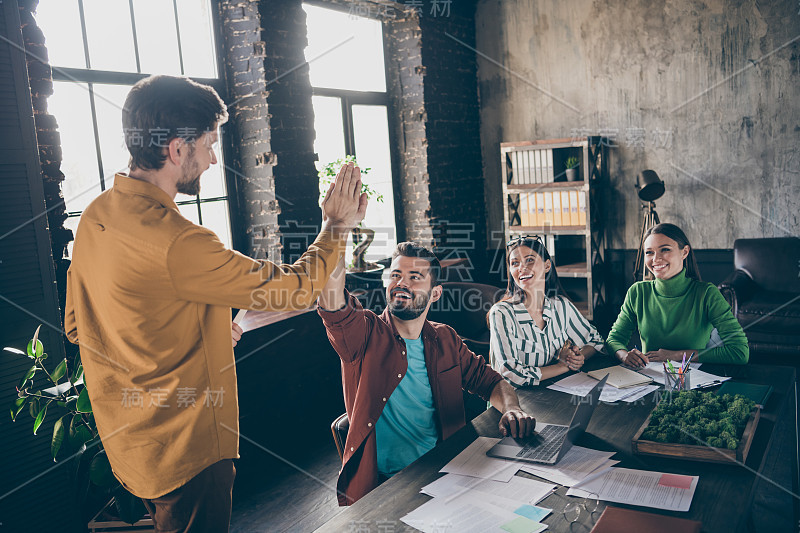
[
  {"x": 190, "y": 181},
  {"x": 409, "y": 309}
]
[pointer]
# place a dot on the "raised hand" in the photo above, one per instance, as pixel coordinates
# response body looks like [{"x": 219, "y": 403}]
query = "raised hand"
[{"x": 344, "y": 205}]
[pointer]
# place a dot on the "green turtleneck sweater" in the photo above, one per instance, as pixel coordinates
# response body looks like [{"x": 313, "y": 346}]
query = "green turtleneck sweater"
[{"x": 679, "y": 314}]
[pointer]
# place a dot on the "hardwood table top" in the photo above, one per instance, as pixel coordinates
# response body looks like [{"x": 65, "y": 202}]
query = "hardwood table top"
[{"x": 721, "y": 501}]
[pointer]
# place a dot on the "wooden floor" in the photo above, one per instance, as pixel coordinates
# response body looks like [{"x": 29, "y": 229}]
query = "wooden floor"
[{"x": 277, "y": 497}]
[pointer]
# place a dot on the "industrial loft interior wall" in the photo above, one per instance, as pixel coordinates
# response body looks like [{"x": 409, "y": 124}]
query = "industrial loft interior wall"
[{"x": 702, "y": 92}]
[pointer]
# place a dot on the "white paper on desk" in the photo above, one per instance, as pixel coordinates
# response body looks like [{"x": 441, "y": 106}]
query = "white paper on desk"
[
  {"x": 576, "y": 465},
  {"x": 470, "y": 512},
  {"x": 581, "y": 384},
  {"x": 474, "y": 462},
  {"x": 637, "y": 487},
  {"x": 521, "y": 489},
  {"x": 250, "y": 320},
  {"x": 699, "y": 378},
  {"x": 647, "y": 389}
]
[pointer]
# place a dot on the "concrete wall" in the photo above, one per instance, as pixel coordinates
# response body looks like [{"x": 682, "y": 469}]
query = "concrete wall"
[{"x": 704, "y": 93}]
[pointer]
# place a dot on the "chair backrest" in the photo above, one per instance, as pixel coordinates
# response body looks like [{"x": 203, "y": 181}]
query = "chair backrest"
[
  {"x": 772, "y": 263},
  {"x": 463, "y": 306},
  {"x": 339, "y": 428}
]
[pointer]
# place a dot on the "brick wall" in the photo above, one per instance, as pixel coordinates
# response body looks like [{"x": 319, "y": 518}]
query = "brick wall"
[
  {"x": 256, "y": 222},
  {"x": 291, "y": 122},
  {"x": 40, "y": 77}
]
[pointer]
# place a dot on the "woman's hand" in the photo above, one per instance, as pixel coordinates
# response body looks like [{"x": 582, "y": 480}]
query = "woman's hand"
[
  {"x": 633, "y": 359},
  {"x": 666, "y": 355},
  {"x": 571, "y": 356}
]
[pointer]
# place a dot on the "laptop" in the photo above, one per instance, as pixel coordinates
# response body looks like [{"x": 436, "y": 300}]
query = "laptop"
[{"x": 550, "y": 442}]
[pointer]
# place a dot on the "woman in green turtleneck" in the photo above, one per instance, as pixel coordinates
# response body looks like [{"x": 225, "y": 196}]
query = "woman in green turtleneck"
[{"x": 675, "y": 312}]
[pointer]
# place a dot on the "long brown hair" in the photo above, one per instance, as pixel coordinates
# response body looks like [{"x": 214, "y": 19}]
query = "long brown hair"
[
  {"x": 552, "y": 286},
  {"x": 676, "y": 234}
]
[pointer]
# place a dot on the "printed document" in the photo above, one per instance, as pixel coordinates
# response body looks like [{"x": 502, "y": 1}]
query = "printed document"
[
  {"x": 474, "y": 462},
  {"x": 576, "y": 465},
  {"x": 671, "y": 492},
  {"x": 520, "y": 489}
]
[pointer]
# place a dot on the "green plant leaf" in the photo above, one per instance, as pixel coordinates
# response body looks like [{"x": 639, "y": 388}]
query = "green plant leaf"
[
  {"x": 17, "y": 406},
  {"x": 71, "y": 404},
  {"x": 33, "y": 407},
  {"x": 15, "y": 351},
  {"x": 28, "y": 375},
  {"x": 100, "y": 470},
  {"x": 59, "y": 431},
  {"x": 84, "y": 405},
  {"x": 40, "y": 418},
  {"x": 59, "y": 372},
  {"x": 130, "y": 508},
  {"x": 35, "y": 352},
  {"x": 79, "y": 434},
  {"x": 78, "y": 372}
]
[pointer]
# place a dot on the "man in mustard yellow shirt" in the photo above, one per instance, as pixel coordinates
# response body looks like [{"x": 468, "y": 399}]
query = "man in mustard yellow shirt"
[{"x": 149, "y": 297}]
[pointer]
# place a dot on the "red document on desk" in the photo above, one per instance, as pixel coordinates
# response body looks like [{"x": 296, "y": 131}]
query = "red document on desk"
[{"x": 618, "y": 520}]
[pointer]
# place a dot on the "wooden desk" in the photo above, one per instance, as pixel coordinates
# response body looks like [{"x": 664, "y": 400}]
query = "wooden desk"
[{"x": 722, "y": 499}]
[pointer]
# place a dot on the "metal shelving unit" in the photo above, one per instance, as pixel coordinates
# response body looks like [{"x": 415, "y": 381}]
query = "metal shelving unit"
[{"x": 532, "y": 173}]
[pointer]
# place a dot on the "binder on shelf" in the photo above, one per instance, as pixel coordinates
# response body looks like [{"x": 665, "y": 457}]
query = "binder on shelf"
[
  {"x": 525, "y": 208},
  {"x": 548, "y": 208},
  {"x": 550, "y": 176},
  {"x": 565, "y": 220},
  {"x": 582, "y": 209},
  {"x": 537, "y": 157},
  {"x": 574, "y": 219},
  {"x": 557, "y": 221},
  {"x": 539, "y": 220}
]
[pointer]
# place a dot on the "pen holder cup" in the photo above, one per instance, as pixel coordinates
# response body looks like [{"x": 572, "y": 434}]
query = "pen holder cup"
[{"x": 676, "y": 381}]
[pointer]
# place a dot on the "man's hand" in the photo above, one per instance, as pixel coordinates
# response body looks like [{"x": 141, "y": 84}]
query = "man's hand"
[
  {"x": 516, "y": 423},
  {"x": 633, "y": 359},
  {"x": 345, "y": 205},
  {"x": 571, "y": 356},
  {"x": 236, "y": 333}
]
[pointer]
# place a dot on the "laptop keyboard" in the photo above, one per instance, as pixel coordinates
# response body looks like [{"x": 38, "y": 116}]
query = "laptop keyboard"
[{"x": 547, "y": 444}]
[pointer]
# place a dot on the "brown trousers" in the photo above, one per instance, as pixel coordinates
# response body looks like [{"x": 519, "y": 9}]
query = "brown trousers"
[{"x": 202, "y": 505}]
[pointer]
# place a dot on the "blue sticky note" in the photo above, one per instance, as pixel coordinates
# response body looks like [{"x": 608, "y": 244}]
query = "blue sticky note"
[{"x": 534, "y": 513}]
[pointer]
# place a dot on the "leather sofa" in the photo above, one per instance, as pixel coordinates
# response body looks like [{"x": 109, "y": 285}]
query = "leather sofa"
[{"x": 764, "y": 294}]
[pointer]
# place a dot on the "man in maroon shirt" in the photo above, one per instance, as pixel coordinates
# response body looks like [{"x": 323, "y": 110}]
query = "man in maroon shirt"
[{"x": 402, "y": 375}]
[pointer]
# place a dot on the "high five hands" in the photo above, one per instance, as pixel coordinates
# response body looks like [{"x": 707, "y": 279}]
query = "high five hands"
[{"x": 344, "y": 205}]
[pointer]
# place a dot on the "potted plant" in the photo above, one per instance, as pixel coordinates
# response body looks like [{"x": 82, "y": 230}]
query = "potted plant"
[
  {"x": 75, "y": 436},
  {"x": 362, "y": 237},
  {"x": 573, "y": 166}
]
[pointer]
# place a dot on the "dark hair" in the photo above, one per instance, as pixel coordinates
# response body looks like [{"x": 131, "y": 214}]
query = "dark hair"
[
  {"x": 552, "y": 286},
  {"x": 159, "y": 109},
  {"x": 676, "y": 234},
  {"x": 413, "y": 249}
]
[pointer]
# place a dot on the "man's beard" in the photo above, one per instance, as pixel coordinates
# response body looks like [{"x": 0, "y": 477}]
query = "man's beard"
[
  {"x": 190, "y": 181},
  {"x": 412, "y": 308}
]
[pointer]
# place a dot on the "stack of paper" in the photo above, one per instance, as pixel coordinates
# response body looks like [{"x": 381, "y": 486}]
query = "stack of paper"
[
  {"x": 620, "y": 377},
  {"x": 659, "y": 490},
  {"x": 577, "y": 465},
  {"x": 581, "y": 384},
  {"x": 481, "y": 493}
]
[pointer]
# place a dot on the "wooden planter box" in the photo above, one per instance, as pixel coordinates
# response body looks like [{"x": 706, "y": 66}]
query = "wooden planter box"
[{"x": 697, "y": 452}]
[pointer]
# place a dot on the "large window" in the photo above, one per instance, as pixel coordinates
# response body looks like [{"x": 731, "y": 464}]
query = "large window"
[
  {"x": 348, "y": 77},
  {"x": 98, "y": 49}
]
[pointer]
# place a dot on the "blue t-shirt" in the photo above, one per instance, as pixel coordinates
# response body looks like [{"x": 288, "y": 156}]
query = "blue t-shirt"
[{"x": 406, "y": 429}]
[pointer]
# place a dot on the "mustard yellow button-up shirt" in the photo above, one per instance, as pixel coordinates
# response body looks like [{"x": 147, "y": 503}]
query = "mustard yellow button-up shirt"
[{"x": 149, "y": 297}]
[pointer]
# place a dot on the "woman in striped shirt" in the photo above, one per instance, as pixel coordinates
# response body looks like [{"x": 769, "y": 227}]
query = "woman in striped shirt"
[{"x": 536, "y": 332}]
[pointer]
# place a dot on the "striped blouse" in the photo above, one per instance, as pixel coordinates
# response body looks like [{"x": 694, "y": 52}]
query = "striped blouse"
[{"x": 519, "y": 348}]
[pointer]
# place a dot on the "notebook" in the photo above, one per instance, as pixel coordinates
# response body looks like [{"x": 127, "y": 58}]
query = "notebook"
[
  {"x": 621, "y": 377},
  {"x": 757, "y": 393},
  {"x": 618, "y": 520}
]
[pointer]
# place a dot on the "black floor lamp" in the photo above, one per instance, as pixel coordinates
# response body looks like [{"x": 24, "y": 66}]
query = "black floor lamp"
[{"x": 649, "y": 187}]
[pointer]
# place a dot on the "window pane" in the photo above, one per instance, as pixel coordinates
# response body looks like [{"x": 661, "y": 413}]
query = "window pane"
[
  {"x": 329, "y": 144},
  {"x": 215, "y": 218},
  {"x": 108, "y": 30},
  {"x": 189, "y": 211},
  {"x": 357, "y": 44},
  {"x": 371, "y": 129},
  {"x": 156, "y": 37},
  {"x": 60, "y": 22},
  {"x": 197, "y": 39},
  {"x": 212, "y": 184},
  {"x": 70, "y": 105},
  {"x": 108, "y": 101}
]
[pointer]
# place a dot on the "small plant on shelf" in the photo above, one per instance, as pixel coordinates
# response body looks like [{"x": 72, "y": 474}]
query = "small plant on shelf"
[{"x": 572, "y": 163}]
